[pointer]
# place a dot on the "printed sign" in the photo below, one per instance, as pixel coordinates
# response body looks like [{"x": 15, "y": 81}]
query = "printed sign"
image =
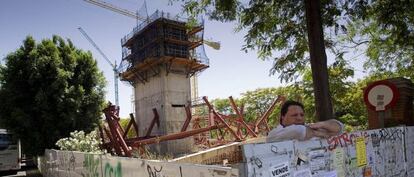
[
  {"x": 280, "y": 170},
  {"x": 381, "y": 95},
  {"x": 339, "y": 162},
  {"x": 361, "y": 152}
]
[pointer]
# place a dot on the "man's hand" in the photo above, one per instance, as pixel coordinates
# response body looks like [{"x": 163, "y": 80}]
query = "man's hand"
[
  {"x": 330, "y": 127},
  {"x": 321, "y": 133}
]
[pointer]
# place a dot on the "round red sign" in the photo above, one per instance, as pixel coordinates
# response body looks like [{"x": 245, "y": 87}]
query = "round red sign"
[{"x": 381, "y": 95}]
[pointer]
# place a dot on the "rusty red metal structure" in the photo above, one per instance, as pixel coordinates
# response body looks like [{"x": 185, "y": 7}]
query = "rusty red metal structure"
[
  {"x": 228, "y": 128},
  {"x": 261, "y": 123}
]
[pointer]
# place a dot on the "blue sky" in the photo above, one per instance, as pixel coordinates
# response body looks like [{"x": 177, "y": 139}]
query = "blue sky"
[{"x": 231, "y": 71}]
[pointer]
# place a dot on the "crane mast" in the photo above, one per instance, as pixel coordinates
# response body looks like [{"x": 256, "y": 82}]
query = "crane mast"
[{"x": 114, "y": 67}]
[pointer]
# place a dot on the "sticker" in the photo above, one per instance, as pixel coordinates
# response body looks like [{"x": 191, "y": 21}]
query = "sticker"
[
  {"x": 303, "y": 173},
  {"x": 301, "y": 159},
  {"x": 339, "y": 161},
  {"x": 318, "y": 160},
  {"x": 280, "y": 170},
  {"x": 367, "y": 172},
  {"x": 375, "y": 140},
  {"x": 361, "y": 151},
  {"x": 339, "y": 158}
]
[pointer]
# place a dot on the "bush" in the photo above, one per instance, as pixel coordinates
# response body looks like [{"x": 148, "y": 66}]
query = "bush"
[{"x": 79, "y": 141}]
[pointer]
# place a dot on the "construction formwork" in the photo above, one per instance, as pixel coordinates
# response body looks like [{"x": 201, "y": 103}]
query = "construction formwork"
[
  {"x": 159, "y": 57},
  {"x": 163, "y": 40}
]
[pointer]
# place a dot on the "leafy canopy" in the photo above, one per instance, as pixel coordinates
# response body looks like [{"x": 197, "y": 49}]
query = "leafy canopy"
[
  {"x": 386, "y": 29},
  {"x": 49, "y": 89},
  {"x": 275, "y": 29},
  {"x": 347, "y": 98},
  {"x": 381, "y": 29}
]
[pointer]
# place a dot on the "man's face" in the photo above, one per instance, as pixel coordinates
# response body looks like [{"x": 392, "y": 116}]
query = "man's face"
[{"x": 294, "y": 115}]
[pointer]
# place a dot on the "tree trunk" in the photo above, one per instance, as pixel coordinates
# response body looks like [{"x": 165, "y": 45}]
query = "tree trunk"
[{"x": 318, "y": 60}]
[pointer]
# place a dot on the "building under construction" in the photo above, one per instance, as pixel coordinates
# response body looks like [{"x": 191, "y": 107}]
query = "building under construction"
[
  {"x": 163, "y": 40},
  {"x": 159, "y": 56}
]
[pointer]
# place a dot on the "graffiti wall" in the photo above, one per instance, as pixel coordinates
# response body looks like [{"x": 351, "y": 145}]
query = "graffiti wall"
[
  {"x": 409, "y": 150},
  {"x": 377, "y": 153},
  {"x": 76, "y": 164},
  {"x": 381, "y": 152}
]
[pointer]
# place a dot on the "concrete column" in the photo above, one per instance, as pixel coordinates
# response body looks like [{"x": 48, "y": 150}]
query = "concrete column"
[{"x": 168, "y": 93}]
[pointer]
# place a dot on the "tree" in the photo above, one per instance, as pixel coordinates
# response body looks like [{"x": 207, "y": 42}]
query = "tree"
[
  {"x": 124, "y": 124},
  {"x": 385, "y": 29},
  {"x": 347, "y": 96},
  {"x": 48, "y": 90},
  {"x": 223, "y": 105},
  {"x": 318, "y": 60},
  {"x": 255, "y": 103},
  {"x": 295, "y": 29},
  {"x": 258, "y": 101},
  {"x": 278, "y": 30}
]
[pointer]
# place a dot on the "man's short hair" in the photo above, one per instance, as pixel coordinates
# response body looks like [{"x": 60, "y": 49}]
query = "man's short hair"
[{"x": 285, "y": 108}]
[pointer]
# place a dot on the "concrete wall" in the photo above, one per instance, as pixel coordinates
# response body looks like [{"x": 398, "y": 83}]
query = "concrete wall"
[
  {"x": 76, "y": 164},
  {"x": 381, "y": 152},
  {"x": 168, "y": 93}
]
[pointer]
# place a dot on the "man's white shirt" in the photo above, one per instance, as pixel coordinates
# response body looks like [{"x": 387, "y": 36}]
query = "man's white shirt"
[{"x": 291, "y": 132}]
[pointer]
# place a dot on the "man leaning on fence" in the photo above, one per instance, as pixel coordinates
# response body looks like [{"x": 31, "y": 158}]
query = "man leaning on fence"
[{"x": 292, "y": 125}]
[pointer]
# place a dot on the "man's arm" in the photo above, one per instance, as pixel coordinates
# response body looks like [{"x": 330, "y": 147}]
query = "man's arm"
[
  {"x": 294, "y": 132},
  {"x": 291, "y": 132},
  {"x": 332, "y": 127}
]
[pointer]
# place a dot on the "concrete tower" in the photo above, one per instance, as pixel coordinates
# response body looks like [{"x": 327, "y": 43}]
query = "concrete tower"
[{"x": 162, "y": 53}]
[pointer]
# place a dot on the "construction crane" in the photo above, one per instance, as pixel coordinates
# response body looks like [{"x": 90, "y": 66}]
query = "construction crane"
[
  {"x": 193, "y": 79},
  {"x": 212, "y": 44},
  {"x": 115, "y": 9},
  {"x": 114, "y": 67}
]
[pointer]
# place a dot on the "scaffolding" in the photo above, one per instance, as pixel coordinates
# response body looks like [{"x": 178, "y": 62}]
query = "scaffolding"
[{"x": 162, "y": 40}]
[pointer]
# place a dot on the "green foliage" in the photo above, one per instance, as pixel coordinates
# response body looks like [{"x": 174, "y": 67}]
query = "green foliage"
[
  {"x": 48, "y": 90},
  {"x": 347, "y": 97},
  {"x": 79, "y": 141},
  {"x": 223, "y": 106},
  {"x": 257, "y": 102},
  {"x": 124, "y": 124},
  {"x": 275, "y": 29},
  {"x": 385, "y": 29},
  {"x": 348, "y": 103}
]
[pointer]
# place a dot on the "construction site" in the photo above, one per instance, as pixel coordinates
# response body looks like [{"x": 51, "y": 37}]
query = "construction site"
[{"x": 161, "y": 58}]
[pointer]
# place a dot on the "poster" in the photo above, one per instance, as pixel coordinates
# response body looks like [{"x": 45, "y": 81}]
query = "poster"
[
  {"x": 339, "y": 161},
  {"x": 280, "y": 170},
  {"x": 361, "y": 151}
]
